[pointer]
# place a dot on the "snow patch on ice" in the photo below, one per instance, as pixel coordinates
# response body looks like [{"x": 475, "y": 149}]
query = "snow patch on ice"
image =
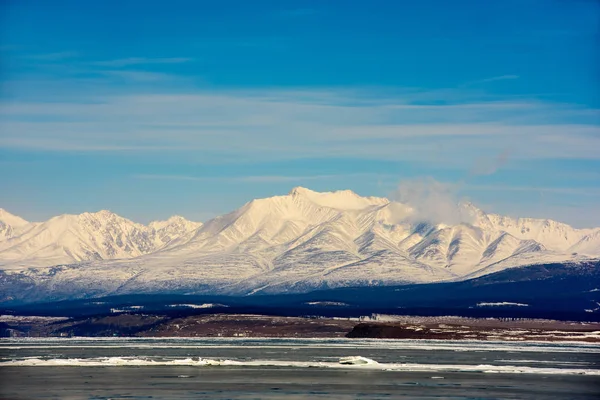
[
  {"x": 352, "y": 362},
  {"x": 204, "y": 305},
  {"x": 357, "y": 360},
  {"x": 326, "y": 303},
  {"x": 502, "y": 304}
]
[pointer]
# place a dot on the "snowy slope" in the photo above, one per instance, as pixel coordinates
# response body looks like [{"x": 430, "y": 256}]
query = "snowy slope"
[
  {"x": 102, "y": 235},
  {"x": 297, "y": 242},
  {"x": 588, "y": 244},
  {"x": 10, "y": 225}
]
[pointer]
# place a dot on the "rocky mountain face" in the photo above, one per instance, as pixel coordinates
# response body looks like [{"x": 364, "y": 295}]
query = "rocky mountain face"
[{"x": 294, "y": 243}]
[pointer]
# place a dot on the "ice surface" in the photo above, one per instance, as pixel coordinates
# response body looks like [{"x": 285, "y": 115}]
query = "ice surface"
[
  {"x": 292, "y": 343},
  {"x": 352, "y": 362}
]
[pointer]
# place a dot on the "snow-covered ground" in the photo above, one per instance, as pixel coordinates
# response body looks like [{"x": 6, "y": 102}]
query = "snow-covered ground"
[{"x": 27, "y": 319}]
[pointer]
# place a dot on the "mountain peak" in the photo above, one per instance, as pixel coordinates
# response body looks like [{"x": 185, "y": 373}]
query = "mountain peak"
[
  {"x": 299, "y": 190},
  {"x": 11, "y": 219},
  {"x": 174, "y": 220},
  {"x": 105, "y": 213},
  {"x": 102, "y": 215},
  {"x": 340, "y": 199}
]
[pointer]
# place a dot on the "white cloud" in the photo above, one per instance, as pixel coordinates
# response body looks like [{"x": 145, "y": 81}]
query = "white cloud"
[
  {"x": 438, "y": 202},
  {"x": 139, "y": 76},
  {"x": 251, "y": 178},
  {"x": 124, "y": 62},
  {"x": 432, "y": 201},
  {"x": 273, "y": 125},
  {"x": 58, "y": 56},
  {"x": 488, "y": 166},
  {"x": 492, "y": 79},
  {"x": 575, "y": 191}
]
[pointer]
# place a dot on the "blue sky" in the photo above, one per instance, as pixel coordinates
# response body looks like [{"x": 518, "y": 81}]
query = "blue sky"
[{"x": 194, "y": 107}]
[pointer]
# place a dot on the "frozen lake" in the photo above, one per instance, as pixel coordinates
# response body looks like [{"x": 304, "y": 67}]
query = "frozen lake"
[{"x": 244, "y": 368}]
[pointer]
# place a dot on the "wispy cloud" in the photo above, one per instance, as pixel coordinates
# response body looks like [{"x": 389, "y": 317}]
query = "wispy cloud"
[
  {"x": 488, "y": 166},
  {"x": 575, "y": 191},
  {"x": 492, "y": 79},
  {"x": 438, "y": 202},
  {"x": 431, "y": 200},
  {"x": 125, "y": 62},
  {"x": 58, "y": 56},
  {"x": 249, "y": 179},
  {"x": 272, "y": 125},
  {"x": 138, "y": 76}
]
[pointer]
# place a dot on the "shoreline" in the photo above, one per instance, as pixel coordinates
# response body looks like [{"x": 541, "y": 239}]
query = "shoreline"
[{"x": 139, "y": 325}]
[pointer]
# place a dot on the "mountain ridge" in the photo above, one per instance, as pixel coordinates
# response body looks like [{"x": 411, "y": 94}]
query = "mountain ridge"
[
  {"x": 87, "y": 236},
  {"x": 298, "y": 242}
]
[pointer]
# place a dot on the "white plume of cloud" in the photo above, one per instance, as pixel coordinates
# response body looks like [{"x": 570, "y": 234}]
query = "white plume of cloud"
[
  {"x": 432, "y": 201},
  {"x": 489, "y": 166}
]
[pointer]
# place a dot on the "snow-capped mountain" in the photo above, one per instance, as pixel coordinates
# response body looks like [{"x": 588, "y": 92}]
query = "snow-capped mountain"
[
  {"x": 67, "y": 239},
  {"x": 298, "y": 242},
  {"x": 10, "y": 225}
]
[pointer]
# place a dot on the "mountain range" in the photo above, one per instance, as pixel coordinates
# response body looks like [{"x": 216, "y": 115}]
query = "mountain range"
[{"x": 295, "y": 243}]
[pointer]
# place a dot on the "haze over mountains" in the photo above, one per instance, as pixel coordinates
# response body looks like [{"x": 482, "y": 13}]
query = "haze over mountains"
[{"x": 299, "y": 242}]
